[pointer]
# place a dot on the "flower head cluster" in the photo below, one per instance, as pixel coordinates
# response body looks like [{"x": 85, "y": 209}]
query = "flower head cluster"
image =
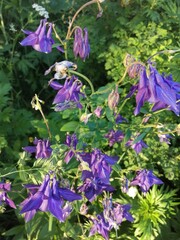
[
  {"x": 68, "y": 95},
  {"x": 41, "y": 10},
  {"x": 114, "y": 136},
  {"x": 81, "y": 46},
  {"x": 41, "y": 40},
  {"x": 157, "y": 89},
  {"x": 145, "y": 179},
  {"x": 96, "y": 179},
  {"x": 42, "y": 149},
  {"x": 71, "y": 142},
  {"x": 48, "y": 197},
  {"x": 4, "y": 188},
  {"x": 111, "y": 217}
]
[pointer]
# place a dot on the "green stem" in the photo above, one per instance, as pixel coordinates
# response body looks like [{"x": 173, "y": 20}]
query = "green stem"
[
  {"x": 164, "y": 51},
  {"x": 85, "y": 78},
  {"x": 69, "y": 32},
  {"x": 2, "y": 24},
  {"x": 17, "y": 171},
  {"x": 50, "y": 223}
]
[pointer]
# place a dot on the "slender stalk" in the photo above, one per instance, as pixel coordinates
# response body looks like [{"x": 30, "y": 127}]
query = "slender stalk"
[
  {"x": 17, "y": 171},
  {"x": 162, "y": 52},
  {"x": 50, "y": 223},
  {"x": 85, "y": 78},
  {"x": 2, "y": 24},
  {"x": 69, "y": 32}
]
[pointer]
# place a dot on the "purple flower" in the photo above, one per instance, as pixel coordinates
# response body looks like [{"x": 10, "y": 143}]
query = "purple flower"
[
  {"x": 164, "y": 137},
  {"x": 81, "y": 46},
  {"x": 4, "y": 188},
  {"x": 40, "y": 40},
  {"x": 120, "y": 119},
  {"x": 98, "y": 111},
  {"x": 145, "y": 179},
  {"x": 48, "y": 197},
  {"x": 100, "y": 226},
  {"x": 162, "y": 91},
  {"x": 113, "y": 98},
  {"x": 138, "y": 146},
  {"x": 71, "y": 142},
  {"x": 114, "y": 136},
  {"x": 68, "y": 95},
  {"x": 94, "y": 186},
  {"x": 42, "y": 148},
  {"x": 99, "y": 164}
]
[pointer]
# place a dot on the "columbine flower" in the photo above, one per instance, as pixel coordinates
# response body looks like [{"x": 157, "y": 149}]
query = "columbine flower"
[
  {"x": 68, "y": 95},
  {"x": 111, "y": 217},
  {"x": 61, "y": 69},
  {"x": 71, "y": 142},
  {"x": 114, "y": 136},
  {"x": 120, "y": 119},
  {"x": 136, "y": 146},
  {"x": 4, "y": 188},
  {"x": 42, "y": 148},
  {"x": 94, "y": 186},
  {"x": 113, "y": 99},
  {"x": 98, "y": 111},
  {"x": 145, "y": 179},
  {"x": 48, "y": 197},
  {"x": 81, "y": 46},
  {"x": 162, "y": 91},
  {"x": 164, "y": 137},
  {"x": 40, "y": 40}
]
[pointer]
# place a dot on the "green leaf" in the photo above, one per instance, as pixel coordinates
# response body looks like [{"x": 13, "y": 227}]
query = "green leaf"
[{"x": 70, "y": 126}]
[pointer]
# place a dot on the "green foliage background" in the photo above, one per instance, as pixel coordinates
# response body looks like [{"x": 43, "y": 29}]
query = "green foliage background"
[{"x": 141, "y": 28}]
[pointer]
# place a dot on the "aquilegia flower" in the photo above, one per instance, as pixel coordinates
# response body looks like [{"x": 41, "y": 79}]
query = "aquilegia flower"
[
  {"x": 138, "y": 146},
  {"x": 61, "y": 69},
  {"x": 111, "y": 217},
  {"x": 4, "y": 188},
  {"x": 48, "y": 197},
  {"x": 164, "y": 137},
  {"x": 98, "y": 111},
  {"x": 157, "y": 89},
  {"x": 42, "y": 148},
  {"x": 71, "y": 142},
  {"x": 68, "y": 95},
  {"x": 114, "y": 136},
  {"x": 40, "y": 40},
  {"x": 81, "y": 46},
  {"x": 145, "y": 179}
]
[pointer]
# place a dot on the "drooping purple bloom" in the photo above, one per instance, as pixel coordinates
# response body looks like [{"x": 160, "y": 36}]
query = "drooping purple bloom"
[
  {"x": 48, "y": 197},
  {"x": 98, "y": 111},
  {"x": 81, "y": 46},
  {"x": 164, "y": 138},
  {"x": 42, "y": 149},
  {"x": 94, "y": 186},
  {"x": 145, "y": 179},
  {"x": 71, "y": 142},
  {"x": 111, "y": 217},
  {"x": 68, "y": 94},
  {"x": 120, "y": 119},
  {"x": 99, "y": 164},
  {"x": 114, "y": 136},
  {"x": 40, "y": 40},
  {"x": 4, "y": 188},
  {"x": 113, "y": 98},
  {"x": 157, "y": 89},
  {"x": 138, "y": 146}
]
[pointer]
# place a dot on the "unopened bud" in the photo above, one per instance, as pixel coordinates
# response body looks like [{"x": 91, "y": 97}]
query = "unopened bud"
[{"x": 113, "y": 99}]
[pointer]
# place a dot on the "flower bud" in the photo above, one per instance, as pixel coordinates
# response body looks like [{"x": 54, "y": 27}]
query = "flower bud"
[{"x": 113, "y": 99}]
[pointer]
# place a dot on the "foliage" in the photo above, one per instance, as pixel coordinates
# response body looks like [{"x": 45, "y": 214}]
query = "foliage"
[{"x": 145, "y": 29}]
